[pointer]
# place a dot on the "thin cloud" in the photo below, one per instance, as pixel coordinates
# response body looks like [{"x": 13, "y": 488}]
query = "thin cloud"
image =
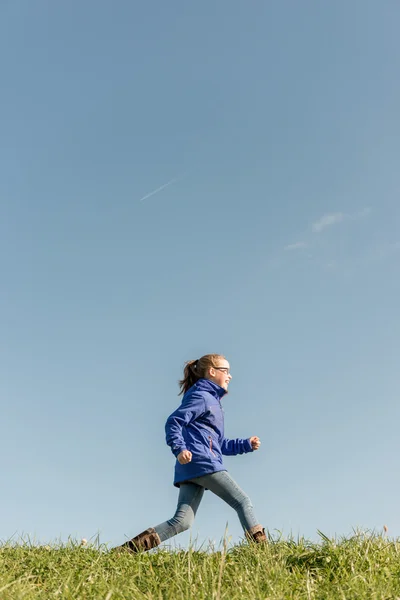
[
  {"x": 296, "y": 246},
  {"x": 327, "y": 220},
  {"x": 334, "y": 218},
  {"x": 310, "y": 241},
  {"x": 365, "y": 212},
  {"x": 162, "y": 187}
]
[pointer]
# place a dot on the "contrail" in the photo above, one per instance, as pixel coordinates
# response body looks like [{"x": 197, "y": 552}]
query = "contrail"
[{"x": 159, "y": 188}]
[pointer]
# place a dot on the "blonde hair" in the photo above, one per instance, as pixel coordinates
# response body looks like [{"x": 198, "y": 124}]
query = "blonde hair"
[{"x": 196, "y": 369}]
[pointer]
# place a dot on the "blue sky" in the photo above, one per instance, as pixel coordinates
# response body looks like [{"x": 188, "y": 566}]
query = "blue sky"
[{"x": 277, "y": 243}]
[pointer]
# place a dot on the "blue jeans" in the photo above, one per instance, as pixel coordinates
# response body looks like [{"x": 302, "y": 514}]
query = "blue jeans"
[{"x": 190, "y": 495}]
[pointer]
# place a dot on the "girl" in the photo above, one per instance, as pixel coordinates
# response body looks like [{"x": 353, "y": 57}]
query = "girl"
[{"x": 195, "y": 434}]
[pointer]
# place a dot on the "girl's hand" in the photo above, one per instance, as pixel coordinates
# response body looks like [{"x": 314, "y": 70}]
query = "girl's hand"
[
  {"x": 255, "y": 442},
  {"x": 184, "y": 457}
]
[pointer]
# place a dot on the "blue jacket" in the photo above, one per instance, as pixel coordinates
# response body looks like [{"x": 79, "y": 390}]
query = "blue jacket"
[{"x": 198, "y": 425}]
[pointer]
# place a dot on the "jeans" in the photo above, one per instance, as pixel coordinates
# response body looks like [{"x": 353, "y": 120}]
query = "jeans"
[{"x": 190, "y": 495}]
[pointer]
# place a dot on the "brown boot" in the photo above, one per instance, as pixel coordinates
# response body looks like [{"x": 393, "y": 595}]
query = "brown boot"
[
  {"x": 144, "y": 541},
  {"x": 256, "y": 534}
]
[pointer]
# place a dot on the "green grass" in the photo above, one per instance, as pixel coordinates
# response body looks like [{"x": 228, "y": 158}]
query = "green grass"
[{"x": 363, "y": 566}]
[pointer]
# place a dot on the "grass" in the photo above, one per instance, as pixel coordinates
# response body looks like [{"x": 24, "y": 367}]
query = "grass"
[{"x": 362, "y": 566}]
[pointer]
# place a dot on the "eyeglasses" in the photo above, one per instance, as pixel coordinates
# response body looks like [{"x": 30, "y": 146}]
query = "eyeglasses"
[{"x": 225, "y": 369}]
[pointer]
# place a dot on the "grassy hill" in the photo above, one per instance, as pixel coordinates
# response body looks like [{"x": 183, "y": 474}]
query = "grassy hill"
[{"x": 363, "y": 566}]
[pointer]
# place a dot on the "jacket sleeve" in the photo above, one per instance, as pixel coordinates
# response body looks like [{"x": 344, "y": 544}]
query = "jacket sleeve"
[
  {"x": 188, "y": 411},
  {"x": 233, "y": 447}
]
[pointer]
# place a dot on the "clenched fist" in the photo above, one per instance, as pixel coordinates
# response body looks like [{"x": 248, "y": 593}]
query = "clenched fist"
[
  {"x": 184, "y": 457},
  {"x": 255, "y": 442}
]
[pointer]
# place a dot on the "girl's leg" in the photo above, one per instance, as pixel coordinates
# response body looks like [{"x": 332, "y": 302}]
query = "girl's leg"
[
  {"x": 190, "y": 496},
  {"x": 225, "y": 487}
]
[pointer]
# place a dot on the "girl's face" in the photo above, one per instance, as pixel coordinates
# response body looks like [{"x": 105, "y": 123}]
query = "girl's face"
[{"x": 221, "y": 374}]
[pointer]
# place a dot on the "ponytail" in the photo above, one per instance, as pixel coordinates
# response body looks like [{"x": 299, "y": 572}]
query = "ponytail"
[
  {"x": 197, "y": 369},
  {"x": 190, "y": 376}
]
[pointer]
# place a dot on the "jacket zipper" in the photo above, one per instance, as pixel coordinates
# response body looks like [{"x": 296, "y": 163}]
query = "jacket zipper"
[{"x": 212, "y": 451}]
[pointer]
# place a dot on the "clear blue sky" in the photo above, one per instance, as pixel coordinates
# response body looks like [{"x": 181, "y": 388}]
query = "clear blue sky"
[{"x": 277, "y": 245}]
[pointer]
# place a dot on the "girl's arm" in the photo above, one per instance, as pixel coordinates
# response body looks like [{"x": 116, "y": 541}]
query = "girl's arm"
[
  {"x": 188, "y": 411},
  {"x": 238, "y": 446}
]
